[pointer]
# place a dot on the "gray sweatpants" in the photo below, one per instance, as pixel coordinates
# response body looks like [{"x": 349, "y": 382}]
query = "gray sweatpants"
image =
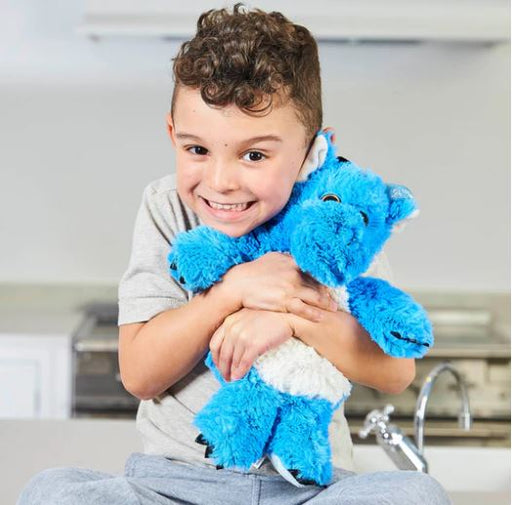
[{"x": 157, "y": 480}]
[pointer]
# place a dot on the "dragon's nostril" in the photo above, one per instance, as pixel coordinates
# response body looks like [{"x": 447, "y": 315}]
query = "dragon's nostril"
[
  {"x": 182, "y": 280},
  {"x": 173, "y": 266},
  {"x": 365, "y": 217}
]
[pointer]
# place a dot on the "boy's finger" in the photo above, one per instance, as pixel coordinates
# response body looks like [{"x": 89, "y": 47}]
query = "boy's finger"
[
  {"x": 216, "y": 343},
  {"x": 318, "y": 298},
  {"x": 244, "y": 365},
  {"x": 239, "y": 371},
  {"x": 225, "y": 359},
  {"x": 299, "y": 308},
  {"x": 238, "y": 353}
]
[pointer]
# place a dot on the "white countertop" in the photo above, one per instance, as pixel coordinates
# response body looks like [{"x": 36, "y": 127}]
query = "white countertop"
[
  {"x": 48, "y": 309},
  {"x": 57, "y": 308},
  {"x": 30, "y": 446},
  {"x": 38, "y": 322}
]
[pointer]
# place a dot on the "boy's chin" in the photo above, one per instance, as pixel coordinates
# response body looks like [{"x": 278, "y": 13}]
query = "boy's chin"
[
  {"x": 233, "y": 230},
  {"x": 230, "y": 230}
]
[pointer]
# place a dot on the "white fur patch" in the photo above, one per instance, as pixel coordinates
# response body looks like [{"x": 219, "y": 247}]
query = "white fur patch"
[
  {"x": 398, "y": 227},
  {"x": 398, "y": 192},
  {"x": 341, "y": 296},
  {"x": 298, "y": 369},
  {"x": 380, "y": 268},
  {"x": 283, "y": 471},
  {"x": 316, "y": 157}
]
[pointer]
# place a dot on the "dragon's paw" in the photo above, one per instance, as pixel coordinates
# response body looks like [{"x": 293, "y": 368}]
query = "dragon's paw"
[
  {"x": 410, "y": 338},
  {"x": 209, "y": 448},
  {"x": 394, "y": 320},
  {"x": 199, "y": 258}
]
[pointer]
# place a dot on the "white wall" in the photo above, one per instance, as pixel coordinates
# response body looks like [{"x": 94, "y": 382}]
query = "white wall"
[{"x": 83, "y": 130}]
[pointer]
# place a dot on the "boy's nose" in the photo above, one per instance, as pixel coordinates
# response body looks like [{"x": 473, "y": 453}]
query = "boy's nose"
[{"x": 222, "y": 177}]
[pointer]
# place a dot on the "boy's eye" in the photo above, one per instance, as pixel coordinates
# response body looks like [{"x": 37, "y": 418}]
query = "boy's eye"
[
  {"x": 253, "y": 156},
  {"x": 198, "y": 150}
]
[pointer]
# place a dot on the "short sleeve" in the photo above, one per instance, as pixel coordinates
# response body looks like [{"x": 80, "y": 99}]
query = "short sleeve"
[{"x": 146, "y": 288}]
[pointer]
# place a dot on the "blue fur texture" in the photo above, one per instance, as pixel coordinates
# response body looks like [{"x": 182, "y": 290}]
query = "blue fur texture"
[
  {"x": 246, "y": 419},
  {"x": 334, "y": 224}
]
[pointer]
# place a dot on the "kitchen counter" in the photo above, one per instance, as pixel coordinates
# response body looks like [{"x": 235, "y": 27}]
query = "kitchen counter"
[
  {"x": 472, "y": 476},
  {"x": 479, "y": 498},
  {"x": 38, "y": 322},
  {"x": 56, "y": 308},
  {"x": 481, "y": 475},
  {"x": 48, "y": 309}
]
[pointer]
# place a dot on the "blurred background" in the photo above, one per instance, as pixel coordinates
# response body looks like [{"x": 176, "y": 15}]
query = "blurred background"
[
  {"x": 84, "y": 93},
  {"x": 418, "y": 91}
]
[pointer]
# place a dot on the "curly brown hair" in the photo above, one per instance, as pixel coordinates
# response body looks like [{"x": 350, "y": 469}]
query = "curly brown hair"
[{"x": 244, "y": 57}]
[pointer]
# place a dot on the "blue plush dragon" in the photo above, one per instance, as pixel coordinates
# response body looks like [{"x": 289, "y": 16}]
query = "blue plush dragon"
[{"x": 337, "y": 219}]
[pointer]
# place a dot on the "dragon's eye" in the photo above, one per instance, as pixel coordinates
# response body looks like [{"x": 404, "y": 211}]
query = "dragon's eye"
[{"x": 331, "y": 198}]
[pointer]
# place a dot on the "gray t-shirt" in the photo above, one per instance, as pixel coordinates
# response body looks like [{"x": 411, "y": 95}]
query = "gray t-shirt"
[{"x": 145, "y": 290}]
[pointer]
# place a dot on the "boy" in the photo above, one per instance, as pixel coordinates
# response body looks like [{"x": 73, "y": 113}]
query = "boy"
[{"x": 245, "y": 109}]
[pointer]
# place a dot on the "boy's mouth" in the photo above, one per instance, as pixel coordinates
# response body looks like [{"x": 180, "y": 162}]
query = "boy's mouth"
[{"x": 230, "y": 207}]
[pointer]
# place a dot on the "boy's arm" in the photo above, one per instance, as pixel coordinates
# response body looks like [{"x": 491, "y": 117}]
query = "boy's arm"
[
  {"x": 156, "y": 354},
  {"x": 340, "y": 338},
  {"x": 162, "y": 334}
]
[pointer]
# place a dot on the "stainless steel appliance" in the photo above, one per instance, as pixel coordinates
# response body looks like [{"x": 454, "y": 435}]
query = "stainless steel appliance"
[
  {"x": 474, "y": 335},
  {"x": 478, "y": 345},
  {"x": 97, "y": 387}
]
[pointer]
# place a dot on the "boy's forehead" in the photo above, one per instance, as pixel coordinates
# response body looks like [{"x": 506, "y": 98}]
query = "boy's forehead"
[
  {"x": 190, "y": 94},
  {"x": 191, "y": 112}
]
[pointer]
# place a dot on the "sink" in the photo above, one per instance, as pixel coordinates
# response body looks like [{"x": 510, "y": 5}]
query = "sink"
[{"x": 459, "y": 469}]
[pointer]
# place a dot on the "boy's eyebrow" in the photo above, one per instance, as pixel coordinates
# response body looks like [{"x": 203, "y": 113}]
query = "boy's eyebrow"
[{"x": 252, "y": 140}]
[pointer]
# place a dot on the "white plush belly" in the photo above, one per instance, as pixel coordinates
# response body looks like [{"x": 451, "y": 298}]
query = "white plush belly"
[
  {"x": 341, "y": 296},
  {"x": 298, "y": 369}
]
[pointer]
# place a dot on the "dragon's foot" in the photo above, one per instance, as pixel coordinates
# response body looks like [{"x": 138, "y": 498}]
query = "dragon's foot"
[{"x": 209, "y": 448}]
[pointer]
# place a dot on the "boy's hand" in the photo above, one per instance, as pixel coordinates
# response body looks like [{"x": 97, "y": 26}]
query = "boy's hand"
[
  {"x": 274, "y": 282},
  {"x": 244, "y": 336}
]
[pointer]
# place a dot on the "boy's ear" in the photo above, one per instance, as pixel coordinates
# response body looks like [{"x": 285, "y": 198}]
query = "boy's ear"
[
  {"x": 402, "y": 206},
  {"x": 170, "y": 129}
]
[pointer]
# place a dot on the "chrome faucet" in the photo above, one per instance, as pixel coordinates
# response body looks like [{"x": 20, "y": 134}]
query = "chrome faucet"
[
  {"x": 401, "y": 449},
  {"x": 424, "y": 395}
]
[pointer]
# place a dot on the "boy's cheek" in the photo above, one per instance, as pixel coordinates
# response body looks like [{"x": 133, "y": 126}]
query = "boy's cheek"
[{"x": 185, "y": 183}]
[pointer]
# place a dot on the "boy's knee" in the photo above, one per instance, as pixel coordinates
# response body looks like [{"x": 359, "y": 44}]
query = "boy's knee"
[
  {"x": 42, "y": 487},
  {"x": 424, "y": 489},
  {"x": 78, "y": 486}
]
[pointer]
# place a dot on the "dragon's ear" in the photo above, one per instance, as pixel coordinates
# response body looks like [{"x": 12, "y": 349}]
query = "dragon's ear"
[
  {"x": 315, "y": 158},
  {"x": 402, "y": 206}
]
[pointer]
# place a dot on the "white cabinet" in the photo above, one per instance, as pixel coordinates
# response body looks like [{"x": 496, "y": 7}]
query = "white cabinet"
[
  {"x": 35, "y": 376},
  {"x": 372, "y": 20}
]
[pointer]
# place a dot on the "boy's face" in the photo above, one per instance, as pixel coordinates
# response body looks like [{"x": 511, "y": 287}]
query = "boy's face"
[{"x": 233, "y": 170}]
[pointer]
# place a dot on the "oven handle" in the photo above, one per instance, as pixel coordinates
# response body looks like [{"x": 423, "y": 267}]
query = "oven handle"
[{"x": 98, "y": 345}]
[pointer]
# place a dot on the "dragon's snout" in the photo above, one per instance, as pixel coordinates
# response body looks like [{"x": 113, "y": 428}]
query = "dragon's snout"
[{"x": 345, "y": 208}]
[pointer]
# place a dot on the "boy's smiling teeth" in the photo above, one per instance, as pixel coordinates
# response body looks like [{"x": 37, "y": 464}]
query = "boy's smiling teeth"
[{"x": 228, "y": 206}]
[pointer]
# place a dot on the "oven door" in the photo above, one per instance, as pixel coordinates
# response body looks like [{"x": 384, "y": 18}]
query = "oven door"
[{"x": 97, "y": 387}]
